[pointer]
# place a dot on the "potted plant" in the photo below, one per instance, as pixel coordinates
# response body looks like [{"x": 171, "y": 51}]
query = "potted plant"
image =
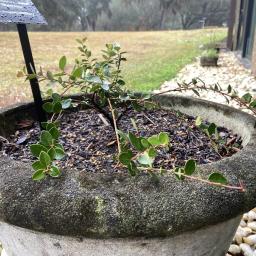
[
  {"x": 209, "y": 58},
  {"x": 116, "y": 173},
  {"x": 213, "y": 43}
]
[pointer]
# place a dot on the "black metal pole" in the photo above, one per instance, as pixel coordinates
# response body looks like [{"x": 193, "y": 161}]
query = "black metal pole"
[{"x": 27, "y": 52}]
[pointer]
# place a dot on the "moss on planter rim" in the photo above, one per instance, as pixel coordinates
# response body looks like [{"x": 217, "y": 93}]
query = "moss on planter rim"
[{"x": 102, "y": 205}]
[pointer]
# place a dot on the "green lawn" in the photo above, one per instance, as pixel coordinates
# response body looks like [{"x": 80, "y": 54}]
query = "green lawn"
[{"x": 153, "y": 57}]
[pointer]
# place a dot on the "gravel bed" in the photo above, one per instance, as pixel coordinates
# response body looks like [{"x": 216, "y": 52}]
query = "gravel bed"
[{"x": 229, "y": 72}]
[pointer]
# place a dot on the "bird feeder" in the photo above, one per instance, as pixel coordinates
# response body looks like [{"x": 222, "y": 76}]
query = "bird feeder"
[{"x": 21, "y": 13}]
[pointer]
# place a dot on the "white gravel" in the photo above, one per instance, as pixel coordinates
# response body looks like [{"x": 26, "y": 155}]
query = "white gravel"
[{"x": 229, "y": 72}]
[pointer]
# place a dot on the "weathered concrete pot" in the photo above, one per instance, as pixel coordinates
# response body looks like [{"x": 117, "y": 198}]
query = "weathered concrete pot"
[
  {"x": 209, "y": 61},
  {"x": 84, "y": 214}
]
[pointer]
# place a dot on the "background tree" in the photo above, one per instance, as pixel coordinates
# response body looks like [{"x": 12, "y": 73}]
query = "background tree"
[
  {"x": 214, "y": 13},
  {"x": 120, "y": 15}
]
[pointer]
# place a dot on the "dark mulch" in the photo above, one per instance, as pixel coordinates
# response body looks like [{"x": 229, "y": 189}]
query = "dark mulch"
[{"x": 90, "y": 144}]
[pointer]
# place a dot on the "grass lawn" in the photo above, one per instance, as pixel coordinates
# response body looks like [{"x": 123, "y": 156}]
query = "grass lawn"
[{"x": 153, "y": 57}]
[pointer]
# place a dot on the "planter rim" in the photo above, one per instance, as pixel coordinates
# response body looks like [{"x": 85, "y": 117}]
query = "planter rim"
[{"x": 115, "y": 205}]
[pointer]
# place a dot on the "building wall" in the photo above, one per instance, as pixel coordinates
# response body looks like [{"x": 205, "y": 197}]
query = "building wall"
[
  {"x": 254, "y": 57},
  {"x": 233, "y": 33},
  {"x": 231, "y": 24}
]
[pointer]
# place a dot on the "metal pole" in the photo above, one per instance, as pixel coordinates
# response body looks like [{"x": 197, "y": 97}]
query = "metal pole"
[{"x": 26, "y": 48}]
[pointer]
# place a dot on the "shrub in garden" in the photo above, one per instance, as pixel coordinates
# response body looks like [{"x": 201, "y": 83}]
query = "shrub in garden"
[{"x": 102, "y": 87}]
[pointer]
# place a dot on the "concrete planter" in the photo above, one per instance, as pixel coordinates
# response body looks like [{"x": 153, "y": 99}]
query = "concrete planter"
[
  {"x": 209, "y": 61},
  {"x": 113, "y": 215}
]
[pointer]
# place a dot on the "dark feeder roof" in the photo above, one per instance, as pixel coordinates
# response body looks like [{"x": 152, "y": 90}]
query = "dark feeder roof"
[{"x": 20, "y": 12}]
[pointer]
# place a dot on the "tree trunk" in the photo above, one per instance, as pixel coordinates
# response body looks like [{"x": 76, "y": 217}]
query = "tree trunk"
[
  {"x": 84, "y": 24},
  {"x": 162, "y": 19}
]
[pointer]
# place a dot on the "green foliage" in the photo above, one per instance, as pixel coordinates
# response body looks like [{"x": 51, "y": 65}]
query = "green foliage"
[
  {"x": 103, "y": 87},
  {"x": 210, "y": 53},
  {"x": 48, "y": 150},
  {"x": 145, "y": 149},
  {"x": 209, "y": 129},
  {"x": 132, "y": 15}
]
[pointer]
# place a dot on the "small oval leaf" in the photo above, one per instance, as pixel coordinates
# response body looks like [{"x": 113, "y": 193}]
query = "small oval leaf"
[
  {"x": 190, "y": 167},
  {"x": 38, "y": 175},
  {"x": 218, "y": 178}
]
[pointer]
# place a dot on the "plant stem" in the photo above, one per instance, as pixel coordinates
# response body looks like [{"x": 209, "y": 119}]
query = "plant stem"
[
  {"x": 240, "y": 188},
  {"x": 115, "y": 126},
  {"x": 235, "y": 98}
]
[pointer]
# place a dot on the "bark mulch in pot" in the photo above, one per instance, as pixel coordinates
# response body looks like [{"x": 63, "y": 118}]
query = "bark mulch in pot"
[{"x": 90, "y": 143}]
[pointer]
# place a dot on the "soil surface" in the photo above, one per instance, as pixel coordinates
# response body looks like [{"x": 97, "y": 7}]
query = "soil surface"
[{"x": 90, "y": 143}]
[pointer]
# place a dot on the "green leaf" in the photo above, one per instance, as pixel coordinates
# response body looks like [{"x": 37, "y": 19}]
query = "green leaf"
[
  {"x": 60, "y": 154},
  {"x": 31, "y": 76},
  {"x": 136, "y": 106},
  {"x": 36, "y": 149},
  {"x": 94, "y": 79},
  {"x": 56, "y": 97},
  {"x": 45, "y": 159},
  {"x": 179, "y": 173},
  {"x": 253, "y": 104},
  {"x": 123, "y": 135},
  {"x": 154, "y": 140},
  {"x": 55, "y": 172},
  {"x": 212, "y": 129},
  {"x": 38, "y": 175},
  {"x": 190, "y": 167},
  {"x": 247, "y": 97},
  {"x": 198, "y": 121},
  {"x": 132, "y": 168},
  {"x": 77, "y": 73},
  {"x": 121, "y": 82},
  {"x": 51, "y": 152},
  {"x": 63, "y": 62},
  {"x": 49, "y": 126},
  {"x": 229, "y": 89},
  {"x": 46, "y": 138},
  {"x": 66, "y": 103},
  {"x": 218, "y": 178},
  {"x": 48, "y": 107},
  {"x": 59, "y": 146},
  {"x": 152, "y": 153},
  {"x": 55, "y": 133},
  {"x": 145, "y": 143},
  {"x": 135, "y": 142},
  {"x": 57, "y": 107},
  {"x": 50, "y": 75},
  {"x": 126, "y": 157},
  {"x": 196, "y": 92},
  {"x": 38, "y": 166},
  {"x": 106, "y": 85},
  {"x": 164, "y": 138},
  {"x": 44, "y": 124},
  {"x": 145, "y": 159}
]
